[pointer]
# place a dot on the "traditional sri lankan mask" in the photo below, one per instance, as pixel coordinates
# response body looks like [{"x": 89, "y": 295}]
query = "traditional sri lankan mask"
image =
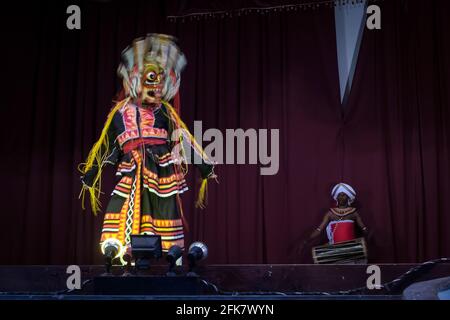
[
  {"x": 152, "y": 83},
  {"x": 151, "y": 68}
]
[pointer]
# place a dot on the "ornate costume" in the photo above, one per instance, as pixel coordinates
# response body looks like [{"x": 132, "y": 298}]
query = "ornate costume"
[{"x": 145, "y": 138}]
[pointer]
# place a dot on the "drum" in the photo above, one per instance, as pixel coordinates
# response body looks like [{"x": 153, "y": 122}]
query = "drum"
[
  {"x": 346, "y": 252},
  {"x": 339, "y": 231}
]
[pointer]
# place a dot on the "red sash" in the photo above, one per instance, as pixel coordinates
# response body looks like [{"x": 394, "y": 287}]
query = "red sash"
[{"x": 136, "y": 143}]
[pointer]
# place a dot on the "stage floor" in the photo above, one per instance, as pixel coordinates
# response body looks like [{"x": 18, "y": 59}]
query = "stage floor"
[
  {"x": 198, "y": 297},
  {"x": 223, "y": 282}
]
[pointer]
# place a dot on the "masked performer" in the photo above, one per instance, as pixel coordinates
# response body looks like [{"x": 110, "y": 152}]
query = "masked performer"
[
  {"x": 150, "y": 145},
  {"x": 340, "y": 221}
]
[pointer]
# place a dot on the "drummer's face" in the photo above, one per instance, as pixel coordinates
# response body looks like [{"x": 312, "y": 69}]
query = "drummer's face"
[{"x": 342, "y": 199}]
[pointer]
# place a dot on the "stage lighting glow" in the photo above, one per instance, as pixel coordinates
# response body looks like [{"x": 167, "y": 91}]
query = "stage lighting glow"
[
  {"x": 112, "y": 243},
  {"x": 111, "y": 249}
]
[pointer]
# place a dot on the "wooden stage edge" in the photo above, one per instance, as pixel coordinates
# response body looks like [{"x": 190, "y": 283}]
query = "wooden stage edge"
[{"x": 248, "y": 281}]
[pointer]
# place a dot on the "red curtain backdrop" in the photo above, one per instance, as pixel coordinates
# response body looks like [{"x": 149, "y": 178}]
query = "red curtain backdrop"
[
  {"x": 271, "y": 71},
  {"x": 396, "y": 131}
]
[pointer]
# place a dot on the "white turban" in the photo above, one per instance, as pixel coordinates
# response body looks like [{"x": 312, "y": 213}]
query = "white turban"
[{"x": 345, "y": 188}]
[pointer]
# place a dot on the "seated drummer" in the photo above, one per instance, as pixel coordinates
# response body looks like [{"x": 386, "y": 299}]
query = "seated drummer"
[{"x": 340, "y": 221}]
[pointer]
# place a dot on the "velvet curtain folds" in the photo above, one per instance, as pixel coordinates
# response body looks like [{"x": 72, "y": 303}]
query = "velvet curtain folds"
[
  {"x": 397, "y": 131},
  {"x": 275, "y": 71}
]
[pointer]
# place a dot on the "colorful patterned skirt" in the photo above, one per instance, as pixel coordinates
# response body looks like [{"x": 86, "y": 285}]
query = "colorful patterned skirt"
[{"x": 145, "y": 199}]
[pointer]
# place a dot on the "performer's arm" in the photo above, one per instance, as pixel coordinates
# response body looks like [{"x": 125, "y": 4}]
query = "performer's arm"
[
  {"x": 114, "y": 154},
  {"x": 196, "y": 154},
  {"x": 200, "y": 160},
  {"x": 181, "y": 135},
  {"x": 320, "y": 228},
  {"x": 360, "y": 223}
]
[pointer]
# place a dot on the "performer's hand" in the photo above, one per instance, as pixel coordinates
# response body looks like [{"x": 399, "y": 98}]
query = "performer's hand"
[
  {"x": 213, "y": 176},
  {"x": 88, "y": 178},
  {"x": 85, "y": 181},
  {"x": 365, "y": 231}
]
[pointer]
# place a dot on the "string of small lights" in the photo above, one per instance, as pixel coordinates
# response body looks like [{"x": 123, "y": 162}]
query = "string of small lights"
[{"x": 295, "y": 7}]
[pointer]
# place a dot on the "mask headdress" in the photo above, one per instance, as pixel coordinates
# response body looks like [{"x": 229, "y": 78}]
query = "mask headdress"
[{"x": 155, "y": 49}]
